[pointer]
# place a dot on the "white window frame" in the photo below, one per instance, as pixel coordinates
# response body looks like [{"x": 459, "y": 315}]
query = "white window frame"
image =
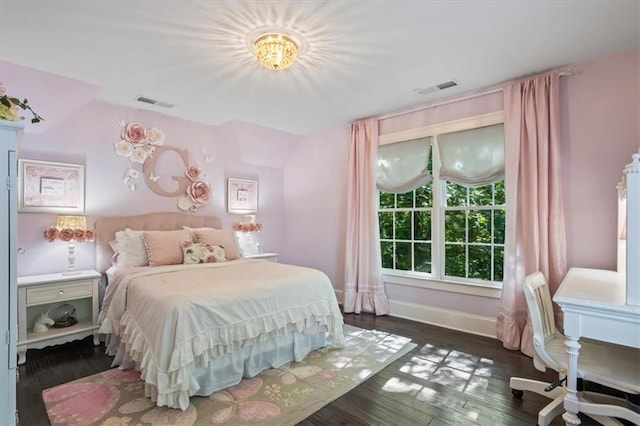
[{"x": 433, "y": 280}]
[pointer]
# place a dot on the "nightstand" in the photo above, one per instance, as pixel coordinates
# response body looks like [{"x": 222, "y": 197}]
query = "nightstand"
[
  {"x": 271, "y": 257},
  {"x": 41, "y": 293}
]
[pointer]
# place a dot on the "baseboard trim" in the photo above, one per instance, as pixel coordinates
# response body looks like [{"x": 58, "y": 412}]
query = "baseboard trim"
[{"x": 455, "y": 320}]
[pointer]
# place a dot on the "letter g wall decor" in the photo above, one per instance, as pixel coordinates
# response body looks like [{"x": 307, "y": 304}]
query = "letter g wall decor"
[{"x": 145, "y": 146}]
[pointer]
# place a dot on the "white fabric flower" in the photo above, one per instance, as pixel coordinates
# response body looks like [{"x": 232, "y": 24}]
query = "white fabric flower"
[
  {"x": 124, "y": 148},
  {"x": 156, "y": 136},
  {"x": 138, "y": 155},
  {"x": 185, "y": 203}
]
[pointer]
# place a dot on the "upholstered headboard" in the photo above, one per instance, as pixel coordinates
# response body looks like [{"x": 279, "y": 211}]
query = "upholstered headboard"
[{"x": 106, "y": 228}]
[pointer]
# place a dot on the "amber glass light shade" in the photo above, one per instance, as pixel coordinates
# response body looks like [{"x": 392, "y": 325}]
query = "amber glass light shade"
[{"x": 276, "y": 51}]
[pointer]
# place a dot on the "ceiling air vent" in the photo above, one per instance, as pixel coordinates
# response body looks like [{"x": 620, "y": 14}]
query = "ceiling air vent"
[
  {"x": 146, "y": 100},
  {"x": 437, "y": 87}
]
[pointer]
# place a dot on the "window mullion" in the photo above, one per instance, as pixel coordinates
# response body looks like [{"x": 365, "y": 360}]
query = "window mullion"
[
  {"x": 493, "y": 233},
  {"x": 395, "y": 207},
  {"x": 437, "y": 216},
  {"x": 466, "y": 234}
]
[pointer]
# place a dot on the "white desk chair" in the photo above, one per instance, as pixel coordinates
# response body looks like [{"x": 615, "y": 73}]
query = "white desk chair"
[{"x": 610, "y": 365}]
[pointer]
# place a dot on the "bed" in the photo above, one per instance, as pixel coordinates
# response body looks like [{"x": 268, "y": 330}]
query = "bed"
[{"x": 193, "y": 329}]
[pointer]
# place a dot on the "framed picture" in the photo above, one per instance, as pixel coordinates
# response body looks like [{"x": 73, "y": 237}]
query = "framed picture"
[
  {"x": 242, "y": 196},
  {"x": 46, "y": 187}
]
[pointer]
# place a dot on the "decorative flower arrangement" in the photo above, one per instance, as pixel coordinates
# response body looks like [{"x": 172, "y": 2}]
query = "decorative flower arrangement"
[
  {"x": 247, "y": 227},
  {"x": 198, "y": 193},
  {"x": 68, "y": 234},
  {"x": 138, "y": 142},
  {"x": 9, "y": 107}
]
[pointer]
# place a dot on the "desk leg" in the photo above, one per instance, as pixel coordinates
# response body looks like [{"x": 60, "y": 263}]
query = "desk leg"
[{"x": 571, "y": 401}]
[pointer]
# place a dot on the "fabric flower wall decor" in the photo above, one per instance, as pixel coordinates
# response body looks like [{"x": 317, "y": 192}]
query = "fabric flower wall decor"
[
  {"x": 198, "y": 193},
  {"x": 139, "y": 144}
]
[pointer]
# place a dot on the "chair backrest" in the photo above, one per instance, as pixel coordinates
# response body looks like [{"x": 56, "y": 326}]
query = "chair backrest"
[{"x": 536, "y": 291}]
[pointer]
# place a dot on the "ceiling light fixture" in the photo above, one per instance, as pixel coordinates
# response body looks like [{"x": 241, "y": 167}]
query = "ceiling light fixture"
[{"x": 276, "y": 51}]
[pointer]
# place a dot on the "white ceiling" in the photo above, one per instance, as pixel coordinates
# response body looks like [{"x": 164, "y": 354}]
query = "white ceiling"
[{"x": 362, "y": 57}]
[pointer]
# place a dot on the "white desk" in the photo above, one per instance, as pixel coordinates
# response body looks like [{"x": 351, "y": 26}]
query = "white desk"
[{"x": 594, "y": 305}]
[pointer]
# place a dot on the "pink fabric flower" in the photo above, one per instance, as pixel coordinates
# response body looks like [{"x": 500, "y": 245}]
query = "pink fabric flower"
[
  {"x": 51, "y": 234},
  {"x": 186, "y": 244},
  {"x": 135, "y": 133},
  {"x": 247, "y": 227},
  {"x": 90, "y": 234},
  {"x": 66, "y": 234},
  {"x": 78, "y": 235},
  {"x": 200, "y": 192},
  {"x": 193, "y": 172}
]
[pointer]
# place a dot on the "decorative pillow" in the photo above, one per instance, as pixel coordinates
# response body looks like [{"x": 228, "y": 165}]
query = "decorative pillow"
[
  {"x": 224, "y": 238},
  {"x": 192, "y": 230},
  {"x": 165, "y": 247},
  {"x": 114, "y": 246},
  {"x": 202, "y": 253},
  {"x": 130, "y": 249}
]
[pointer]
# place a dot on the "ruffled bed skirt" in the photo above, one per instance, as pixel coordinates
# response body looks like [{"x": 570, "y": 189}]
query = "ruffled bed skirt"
[{"x": 227, "y": 369}]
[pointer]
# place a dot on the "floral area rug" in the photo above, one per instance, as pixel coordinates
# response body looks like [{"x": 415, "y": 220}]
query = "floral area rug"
[{"x": 281, "y": 396}]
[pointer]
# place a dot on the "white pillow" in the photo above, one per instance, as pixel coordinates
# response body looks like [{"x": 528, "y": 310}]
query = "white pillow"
[{"x": 131, "y": 249}]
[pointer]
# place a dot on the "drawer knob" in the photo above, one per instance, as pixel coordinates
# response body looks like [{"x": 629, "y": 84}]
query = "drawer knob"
[{"x": 61, "y": 292}]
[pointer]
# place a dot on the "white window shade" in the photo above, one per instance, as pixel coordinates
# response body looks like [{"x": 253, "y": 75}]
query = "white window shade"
[
  {"x": 403, "y": 166},
  {"x": 472, "y": 157}
]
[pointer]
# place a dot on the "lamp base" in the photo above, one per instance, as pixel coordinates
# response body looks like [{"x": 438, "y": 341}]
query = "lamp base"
[{"x": 72, "y": 269}]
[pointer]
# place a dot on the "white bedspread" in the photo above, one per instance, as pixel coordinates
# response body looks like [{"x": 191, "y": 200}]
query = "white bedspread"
[{"x": 174, "y": 318}]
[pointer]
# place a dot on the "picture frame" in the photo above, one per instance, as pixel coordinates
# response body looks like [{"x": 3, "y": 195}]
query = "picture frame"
[
  {"x": 242, "y": 196},
  {"x": 48, "y": 187}
]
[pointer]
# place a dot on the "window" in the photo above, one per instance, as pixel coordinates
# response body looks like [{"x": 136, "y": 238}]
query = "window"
[
  {"x": 452, "y": 227},
  {"x": 474, "y": 221}
]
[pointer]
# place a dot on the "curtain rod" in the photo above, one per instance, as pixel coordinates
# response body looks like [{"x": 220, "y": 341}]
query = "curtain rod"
[
  {"x": 562, "y": 72},
  {"x": 452, "y": 101}
]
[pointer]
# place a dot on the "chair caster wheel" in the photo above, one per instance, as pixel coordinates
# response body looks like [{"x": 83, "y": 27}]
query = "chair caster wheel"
[{"x": 517, "y": 393}]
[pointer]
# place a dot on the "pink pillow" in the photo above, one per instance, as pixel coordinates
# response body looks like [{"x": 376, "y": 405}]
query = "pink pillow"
[
  {"x": 220, "y": 237},
  {"x": 165, "y": 247}
]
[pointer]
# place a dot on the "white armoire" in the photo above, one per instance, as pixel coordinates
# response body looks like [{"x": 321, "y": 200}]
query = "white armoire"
[{"x": 10, "y": 134}]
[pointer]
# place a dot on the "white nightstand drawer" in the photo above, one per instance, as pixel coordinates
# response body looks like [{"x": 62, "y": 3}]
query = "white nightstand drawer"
[{"x": 51, "y": 293}]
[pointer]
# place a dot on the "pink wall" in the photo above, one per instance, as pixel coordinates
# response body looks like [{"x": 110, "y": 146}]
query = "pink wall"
[
  {"x": 315, "y": 203},
  {"x": 302, "y": 180},
  {"x": 87, "y": 136},
  {"x": 601, "y": 129},
  {"x": 600, "y": 107}
]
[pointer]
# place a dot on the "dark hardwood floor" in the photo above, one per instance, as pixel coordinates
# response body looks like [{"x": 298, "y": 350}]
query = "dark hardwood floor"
[{"x": 450, "y": 378}]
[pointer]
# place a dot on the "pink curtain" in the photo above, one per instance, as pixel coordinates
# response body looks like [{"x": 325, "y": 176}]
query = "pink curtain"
[
  {"x": 363, "y": 288},
  {"x": 535, "y": 235}
]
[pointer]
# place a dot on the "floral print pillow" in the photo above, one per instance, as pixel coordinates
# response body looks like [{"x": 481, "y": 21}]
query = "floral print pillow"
[{"x": 202, "y": 253}]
